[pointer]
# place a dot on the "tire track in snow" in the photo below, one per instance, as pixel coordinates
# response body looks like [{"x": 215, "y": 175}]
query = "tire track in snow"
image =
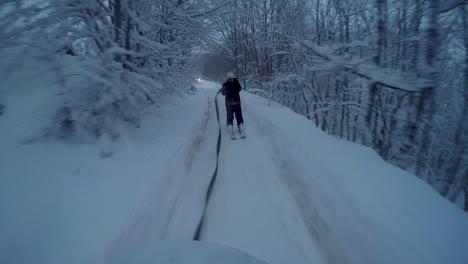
[
  {"x": 199, "y": 138},
  {"x": 153, "y": 220},
  {"x": 194, "y": 150},
  {"x": 337, "y": 244},
  {"x": 191, "y": 204},
  {"x": 316, "y": 226}
]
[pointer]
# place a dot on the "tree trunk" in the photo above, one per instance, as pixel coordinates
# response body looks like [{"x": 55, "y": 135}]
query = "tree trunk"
[
  {"x": 404, "y": 34},
  {"x": 466, "y": 193},
  {"x": 307, "y": 107},
  {"x": 335, "y": 116},
  {"x": 416, "y": 23},
  {"x": 117, "y": 19},
  {"x": 343, "y": 110},
  {"x": 118, "y": 23},
  {"x": 325, "y": 125},
  {"x": 371, "y": 111},
  {"x": 128, "y": 31},
  {"x": 428, "y": 95},
  {"x": 381, "y": 31},
  {"x": 356, "y": 118}
]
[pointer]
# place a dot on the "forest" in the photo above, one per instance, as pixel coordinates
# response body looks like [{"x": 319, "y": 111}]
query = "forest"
[{"x": 388, "y": 74}]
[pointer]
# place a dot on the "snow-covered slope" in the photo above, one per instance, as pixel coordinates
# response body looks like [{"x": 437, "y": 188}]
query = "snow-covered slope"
[{"x": 288, "y": 193}]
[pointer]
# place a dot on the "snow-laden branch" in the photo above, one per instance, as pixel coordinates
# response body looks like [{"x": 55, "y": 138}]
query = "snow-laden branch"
[
  {"x": 447, "y": 5},
  {"x": 125, "y": 55},
  {"x": 354, "y": 12},
  {"x": 386, "y": 77},
  {"x": 212, "y": 10}
]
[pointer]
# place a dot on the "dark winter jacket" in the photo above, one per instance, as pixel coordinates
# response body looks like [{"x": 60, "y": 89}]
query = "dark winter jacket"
[{"x": 231, "y": 91}]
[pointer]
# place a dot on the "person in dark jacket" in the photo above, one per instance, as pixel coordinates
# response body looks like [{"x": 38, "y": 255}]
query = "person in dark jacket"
[{"x": 230, "y": 90}]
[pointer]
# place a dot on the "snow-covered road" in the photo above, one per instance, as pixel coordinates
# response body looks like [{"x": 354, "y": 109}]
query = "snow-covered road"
[
  {"x": 258, "y": 205},
  {"x": 288, "y": 193},
  {"x": 249, "y": 208}
]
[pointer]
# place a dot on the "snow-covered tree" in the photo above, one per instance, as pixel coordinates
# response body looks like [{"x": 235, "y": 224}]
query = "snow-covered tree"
[{"x": 127, "y": 56}]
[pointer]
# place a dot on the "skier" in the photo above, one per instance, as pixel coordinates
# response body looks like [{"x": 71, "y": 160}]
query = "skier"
[{"x": 230, "y": 90}]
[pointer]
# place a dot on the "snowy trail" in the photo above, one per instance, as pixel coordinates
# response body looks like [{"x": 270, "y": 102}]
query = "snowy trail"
[
  {"x": 288, "y": 193},
  {"x": 259, "y": 206},
  {"x": 250, "y": 210}
]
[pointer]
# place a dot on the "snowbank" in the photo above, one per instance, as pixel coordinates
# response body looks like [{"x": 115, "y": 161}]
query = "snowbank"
[{"x": 64, "y": 203}]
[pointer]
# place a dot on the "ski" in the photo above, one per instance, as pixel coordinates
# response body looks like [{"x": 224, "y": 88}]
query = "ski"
[
  {"x": 231, "y": 133},
  {"x": 241, "y": 131},
  {"x": 242, "y": 134}
]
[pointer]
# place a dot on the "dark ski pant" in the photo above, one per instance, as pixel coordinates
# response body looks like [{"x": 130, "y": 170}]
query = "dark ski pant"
[{"x": 232, "y": 110}]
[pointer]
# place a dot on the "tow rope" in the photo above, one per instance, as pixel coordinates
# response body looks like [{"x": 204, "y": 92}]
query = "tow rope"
[{"x": 215, "y": 173}]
